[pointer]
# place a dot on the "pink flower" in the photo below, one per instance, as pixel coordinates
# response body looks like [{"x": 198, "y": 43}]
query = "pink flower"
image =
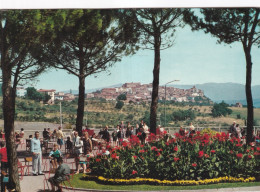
[
  {"x": 212, "y": 151},
  {"x": 249, "y": 157},
  {"x": 201, "y": 153},
  {"x": 141, "y": 151},
  {"x": 134, "y": 172},
  {"x": 158, "y": 154},
  {"x": 206, "y": 155},
  {"x": 239, "y": 155},
  {"x": 176, "y": 159},
  {"x": 135, "y": 157},
  {"x": 175, "y": 148},
  {"x": 194, "y": 164},
  {"x": 154, "y": 148}
]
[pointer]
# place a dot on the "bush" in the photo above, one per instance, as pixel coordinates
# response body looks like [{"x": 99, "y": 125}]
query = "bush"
[
  {"x": 183, "y": 115},
  {"x": 119, "y": 105},
  {"x": 220, "y": 109}
]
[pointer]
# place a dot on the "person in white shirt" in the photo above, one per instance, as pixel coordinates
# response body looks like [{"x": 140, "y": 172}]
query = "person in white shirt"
[{"x": 78, "y": 144}]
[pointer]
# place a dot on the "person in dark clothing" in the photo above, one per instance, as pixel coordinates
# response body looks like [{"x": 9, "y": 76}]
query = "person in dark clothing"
[
  {"x": 141, "y": 125},
  {"x": 45, "y": 134},
  {"x": 61, "y": 174},
  {"x": 128, "y": 132},
  {"x": 142, "y": 136},
  {"x": 87, "y": 144},
  {"x": 232, "y": 130},
  {"x": 105, "y": 134}
]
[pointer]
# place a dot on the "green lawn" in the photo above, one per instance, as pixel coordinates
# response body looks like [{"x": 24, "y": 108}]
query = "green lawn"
[{"x": 78, "y": 183}]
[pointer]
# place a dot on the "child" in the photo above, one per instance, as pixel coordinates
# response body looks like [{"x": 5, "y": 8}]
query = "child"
[{"x": 54, "y": 155}]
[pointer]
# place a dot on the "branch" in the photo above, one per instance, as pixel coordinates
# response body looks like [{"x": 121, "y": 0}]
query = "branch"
[{"x": 253, "y": 28}]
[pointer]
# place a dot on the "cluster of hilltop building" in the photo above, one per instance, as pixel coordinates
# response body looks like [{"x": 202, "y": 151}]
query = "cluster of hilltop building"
[{"x": 143, "y": 92}]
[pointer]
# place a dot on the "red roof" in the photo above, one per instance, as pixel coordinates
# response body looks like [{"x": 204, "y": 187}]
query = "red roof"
[{"x": 46, "y": 90}]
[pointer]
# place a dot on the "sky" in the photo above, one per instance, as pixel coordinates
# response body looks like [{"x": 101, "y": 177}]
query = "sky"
[{"x": 195, "y": 58}]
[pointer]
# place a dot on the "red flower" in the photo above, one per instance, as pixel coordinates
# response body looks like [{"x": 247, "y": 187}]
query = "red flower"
[
  {"x": 247, "y": 150},
  {"x": 134, "y": 172},
  {"x": 256, "y": 153},
  {"x": 239, "y": 145},
  {"x": 114, "y": 155},
  {"x": 141, "y": 151},
  {"x": 231, "y": 152},
  {"x": 206, "y": 155},
  {"x": 108, "y": 146},
  {"x": 98, "y": 160},
  {"x": 258, "y": 148},
  {"x": 212, "y": 151},
  {"x": 194, "y": 164},
  {"x": 249, "y": 157},
  {"x": 239, "y": 155},
  {"x": 124, "y": 144},
  {"x": 135, "y": 157},
  {"x": 176, "y": 159},
  {"x": 201, "y": 153},
  {"x": 141, "y": 146},
  {"x": 167, "y": 143},
  {"x": 154, "y": 148},
  {"x": 139, "y": 133},
  {"x": 117, "y": 157},
  {"x": 158, "y": 154},
  {"x": 175, "y": 148}
]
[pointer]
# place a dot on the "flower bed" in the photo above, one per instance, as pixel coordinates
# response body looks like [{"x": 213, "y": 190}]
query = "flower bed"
[{"x": 197, "y": 160}]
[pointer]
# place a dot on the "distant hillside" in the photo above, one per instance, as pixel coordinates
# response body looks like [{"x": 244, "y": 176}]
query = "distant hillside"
[
  {"x": 229, "y": 92},
  {"x": 92, "y": 90}
]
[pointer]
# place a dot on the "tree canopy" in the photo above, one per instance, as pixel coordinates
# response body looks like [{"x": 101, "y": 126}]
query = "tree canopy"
[
  {"x": 229, "y": 26},
  {"x": 156, "y": 28}
]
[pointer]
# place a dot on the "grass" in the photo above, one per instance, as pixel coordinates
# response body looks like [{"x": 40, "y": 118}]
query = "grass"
[{"x": 78, "y": 183}]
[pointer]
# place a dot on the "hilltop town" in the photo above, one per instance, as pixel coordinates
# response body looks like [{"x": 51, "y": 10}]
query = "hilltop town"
[{"x": 143, "y": 92}]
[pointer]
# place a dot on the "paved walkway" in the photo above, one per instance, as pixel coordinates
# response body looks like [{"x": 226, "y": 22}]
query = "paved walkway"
[{"x": 35, "y": 183}]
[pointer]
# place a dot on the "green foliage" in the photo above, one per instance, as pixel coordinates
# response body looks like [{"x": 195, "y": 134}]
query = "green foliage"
[
  {"x": 121, "y": 97},
  {"x": 119, "y": 105},
  {"x": 183, "y": 115},
  {"x": 220, "y": 109}
]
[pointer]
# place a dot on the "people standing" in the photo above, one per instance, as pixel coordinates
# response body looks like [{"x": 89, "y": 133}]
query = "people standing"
[
  {"x": 120, "y": 136},
  {"x": 146, "y": 129},
  {"x": 60, "y": 136},
  {"x": 114, "y": 137},
  {"x": 36, "y": 154},
  {"x": 87, "y": 144},
  {"x": 45, "y": 134},
  {"x": 78, "y": 144},
  {"x": 141, "y": 124},
  {"x": 232, "y": 130},
  {"x": 192, "y": 130},
  {"x": 238, "y": 131}
]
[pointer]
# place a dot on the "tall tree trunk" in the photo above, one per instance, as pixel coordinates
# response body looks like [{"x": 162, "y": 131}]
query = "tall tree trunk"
[
  {"x": 9, "y": 113},
  {"x": 249, "y": 99},
  {"x": 156, "y": 74},
  {"x": 81, "y": 104}
]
